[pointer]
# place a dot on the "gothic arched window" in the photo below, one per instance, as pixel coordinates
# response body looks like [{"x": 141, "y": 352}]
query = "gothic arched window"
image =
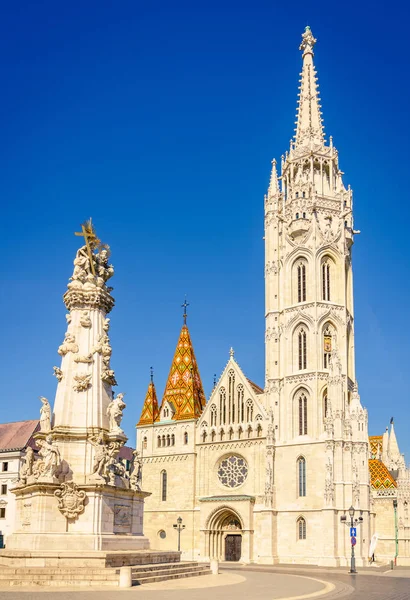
[
  {"x": 164, "y": 485},
  {"x": 325, "y": 404},
  {"x": 327, "y": 347},
  {"x": 172, "y": 440},
  {"x": 213, "y": 415},
  {"x": 159, "y": 441},
  {"x": 301, "y": 476},
  {"x": 302, "y": 414},
  {"x": 249, "y": 410},
  {"x": 326, "y": 279},
  {"x": 241, "y": 405},
  {"x": 204, "y": 436},
  {"x": 301, "y": 528},
  {"x": 302, "y": 349},
  {"x": 144, "y": 443},
  {"x": 185, "y": 437},
  {"x": 301, "y": 274},
  {"x": 222, "y": 406}
]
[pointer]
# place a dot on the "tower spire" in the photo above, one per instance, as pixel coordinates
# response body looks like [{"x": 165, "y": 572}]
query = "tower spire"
[
  {"x": 150, "y": 410},
  {"x": 274, "y": 183},
  {"x": 309, "y": 125}
]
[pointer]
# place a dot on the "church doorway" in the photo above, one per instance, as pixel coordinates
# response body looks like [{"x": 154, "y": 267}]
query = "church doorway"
[
  {"x": 225, "y": 535},
  {"x": 233, "y": 547}
]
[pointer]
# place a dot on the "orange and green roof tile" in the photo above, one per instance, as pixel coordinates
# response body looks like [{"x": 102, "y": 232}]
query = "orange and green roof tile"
[
  {"x": 150, "y": 410},
  {"x": 380, "y": 476},
  {"x": 376, "y": 444},
  {"x": 184, "y": 386}
]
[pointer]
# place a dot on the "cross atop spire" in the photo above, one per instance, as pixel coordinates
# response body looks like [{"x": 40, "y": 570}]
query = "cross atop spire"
[
  {"x": 184, "y": 306},
  {"x": 309, "y": 125}
]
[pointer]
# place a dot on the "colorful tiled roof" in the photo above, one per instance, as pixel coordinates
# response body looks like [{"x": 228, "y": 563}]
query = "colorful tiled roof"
[
  {"x": 376, "y": 444},
  {"x": 184, "y": 386},
  {"x": 150, "y": 410},
  {"x": 18, "y": 435},
  {"x": 380, "y": 476}
]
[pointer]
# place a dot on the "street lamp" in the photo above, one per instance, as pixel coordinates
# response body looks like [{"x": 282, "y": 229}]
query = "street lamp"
[
  {"x": 352, "y": 525},
  {"x": 396, "y": 533},
  {"x": 179, "y": 527}
]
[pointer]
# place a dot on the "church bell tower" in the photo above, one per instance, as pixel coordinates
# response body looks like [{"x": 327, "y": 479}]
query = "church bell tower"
[{"x": 320, "y": 425}]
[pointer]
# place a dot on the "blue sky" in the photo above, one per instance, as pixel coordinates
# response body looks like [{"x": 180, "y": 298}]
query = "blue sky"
[{"x": 160, "y": 120}]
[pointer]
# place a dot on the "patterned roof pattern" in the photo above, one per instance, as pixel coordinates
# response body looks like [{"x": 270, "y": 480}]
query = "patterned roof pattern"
[
  {"x": 376, "y": 444},
  {"x": 380, "y": 476},
  {"x": 184, "y": 386},
  {"x": 150, "y": 410}
]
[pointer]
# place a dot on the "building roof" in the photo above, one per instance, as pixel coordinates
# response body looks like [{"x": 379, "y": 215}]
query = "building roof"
[
  {"x": 256, "y": 388},
  {"x": 376, "y": 444},
  {"x": 150, "y": 410},
  {"x": 184, "y": 386},
  {"x": 18, "y": 435},
  {"x": 380, "y": 476}
]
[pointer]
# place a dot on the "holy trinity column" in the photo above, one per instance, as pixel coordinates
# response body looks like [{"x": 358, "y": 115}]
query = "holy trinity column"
[{"x": 75, "y": 494}]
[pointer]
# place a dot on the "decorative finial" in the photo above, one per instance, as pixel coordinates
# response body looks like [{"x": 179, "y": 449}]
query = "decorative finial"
[
  {"x": 391, "y": 421},
  {"x": 231, "y": 352},
  {"x": 184, "y": 305},
  {"x": 152, "y": 374},
  {"x": 308, "y": 41}
]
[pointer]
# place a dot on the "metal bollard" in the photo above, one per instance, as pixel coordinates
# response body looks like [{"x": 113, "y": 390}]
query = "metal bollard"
[
  {"x": 391, "y": 565},
  {"x": 214, "y": 566},
  {"x": 125, "y": 577}
]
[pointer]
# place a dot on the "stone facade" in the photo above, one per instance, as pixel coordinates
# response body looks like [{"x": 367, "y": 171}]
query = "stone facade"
[{"x": 268, "y": 475}]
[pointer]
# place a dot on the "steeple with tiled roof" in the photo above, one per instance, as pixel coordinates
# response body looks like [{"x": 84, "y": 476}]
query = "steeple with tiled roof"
[
  {"x": 150, "y": 410},
  {"x": 184, "y": 386}
]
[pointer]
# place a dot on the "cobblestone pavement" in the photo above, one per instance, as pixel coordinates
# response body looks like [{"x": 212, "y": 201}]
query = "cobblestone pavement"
[
  {"x": 247, "y": 583},
  {"x": 366, "y": 585}
]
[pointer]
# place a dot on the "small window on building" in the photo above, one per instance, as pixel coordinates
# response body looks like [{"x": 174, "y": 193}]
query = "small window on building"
[
  {"x": 5, "y": 466},
  {"x": 186, "y": 437},
  {"x": 144, "y": 443},
  {"x": 164, "y": 486},
  {"x": 162, "y": 534},
  {"x": 304, "y": 215},
  {"x": 297, "y": 215},
  {"x": 3, "y": 512},
  {"x": 303, "y": 194},
  {"x": 301, "y": 476},
  {"x": 172, "y": 440},
  {"x": 4, "y": 489},
  {"x": 301, "y": 528}
]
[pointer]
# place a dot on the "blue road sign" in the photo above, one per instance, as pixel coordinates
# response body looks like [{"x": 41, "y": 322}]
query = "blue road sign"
[
  {"x": 353, "y": 541},
  {"x": 353, "y": 532}
]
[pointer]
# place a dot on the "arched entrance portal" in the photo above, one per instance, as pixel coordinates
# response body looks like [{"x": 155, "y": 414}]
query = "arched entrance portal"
[{"x": 225, "y": 535}]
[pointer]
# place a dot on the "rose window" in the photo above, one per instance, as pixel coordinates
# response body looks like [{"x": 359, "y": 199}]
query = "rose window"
[{"x": 232, "y": 471}]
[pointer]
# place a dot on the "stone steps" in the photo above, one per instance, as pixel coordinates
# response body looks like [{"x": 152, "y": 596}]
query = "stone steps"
[
  {"x": 66, "y": 576},
  {"x": 166, "y": 572}
]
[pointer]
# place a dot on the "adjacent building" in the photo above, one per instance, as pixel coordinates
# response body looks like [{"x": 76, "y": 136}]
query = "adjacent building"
[{"x": 14, "y": 440}]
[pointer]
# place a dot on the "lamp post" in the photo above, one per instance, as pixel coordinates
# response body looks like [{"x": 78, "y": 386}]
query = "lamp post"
[
  {"x": 352, "y": 558},
  {"x": 179, "y": 527},
  {"x": 353, "y": 523},
  {"x": 396, "y": 537}
]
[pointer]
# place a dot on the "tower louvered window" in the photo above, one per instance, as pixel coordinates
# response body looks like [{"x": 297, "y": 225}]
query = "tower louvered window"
[
  {"x": 302, "y": 415},
  {"x": 302, "y": 347},
  {"x": 326, "y": 280},
  {"x": 301, "y": 271}
]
